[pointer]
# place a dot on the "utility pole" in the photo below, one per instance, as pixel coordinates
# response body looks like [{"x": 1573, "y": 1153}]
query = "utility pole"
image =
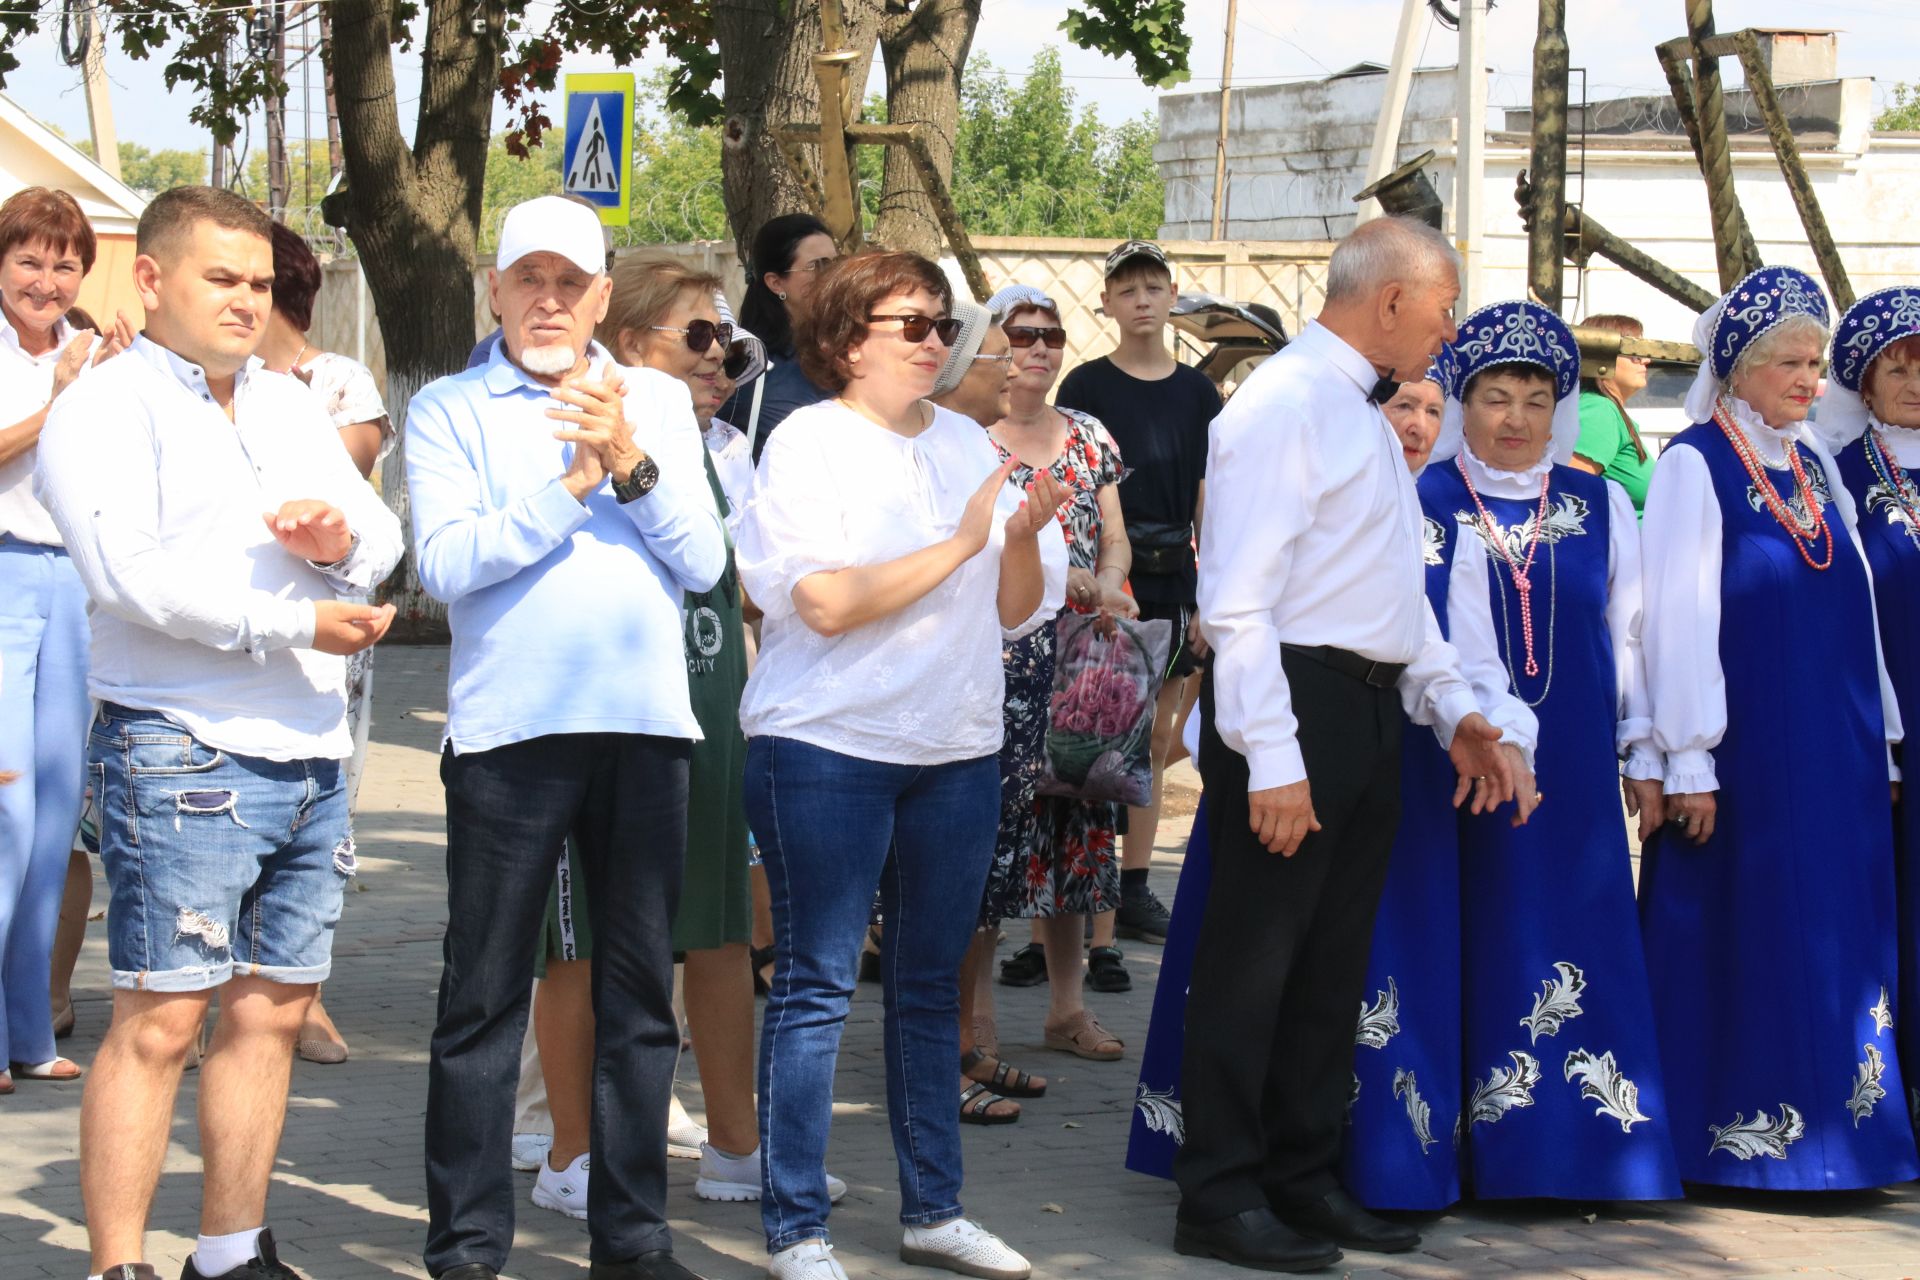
[
  {"x": 279, "y": 185},
  {"x": 1549, "y": 172},
  {"x": 93, "y": 70},
  {"x": 1393, "y": 107},
  {"x": 1220, "y": 143},
  {"x": 1470, "y": 149},
  {"x": 333, "y": 104}
]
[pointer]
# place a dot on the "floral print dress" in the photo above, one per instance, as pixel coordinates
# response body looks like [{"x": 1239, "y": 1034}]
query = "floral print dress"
[{"x": 1055, "y": 856}]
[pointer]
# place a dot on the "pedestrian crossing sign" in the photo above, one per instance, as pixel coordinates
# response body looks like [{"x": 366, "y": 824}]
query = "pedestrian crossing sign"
[{"x": 599, "y": 133}]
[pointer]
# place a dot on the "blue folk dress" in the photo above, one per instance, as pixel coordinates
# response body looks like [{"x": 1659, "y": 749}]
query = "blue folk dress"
[
  {"x": 1892, "y": 543},
  {"x": 1158, "y": 1125},
  {"x": 1402, "y": 1148},
  {"x": 1772, "y": 947},
  {"x": 1564, "y": 1096}
]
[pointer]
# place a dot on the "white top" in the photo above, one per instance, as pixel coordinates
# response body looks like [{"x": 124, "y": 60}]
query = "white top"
[
  {"x": 1680, "y": 531},
  {"x": 347, "y": 389},
  {"x": 922, "y": 686},
  {"x": 198, "y": 612},
  {"x": 1470, "y": 613},
  {"x": 25, "y": 384},
  {"x": 1313, "y": 536},
  {"x": 733, "y": 461}
]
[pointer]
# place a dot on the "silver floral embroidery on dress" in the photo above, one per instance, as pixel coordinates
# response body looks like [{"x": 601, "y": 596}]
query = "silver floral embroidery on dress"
[
  {"x": 1881, "y": 498},
  {"x": 1867, "y": 1089},
  {"x": 1162, "y": 1113},
  {"x": 1433, "y": 539},
  {"x": 1816, "y": 480},
  {"x": 1506, "y": 1088},
  {"x": 1558, "y": 1002},
  {"x": 1379, "y": 1021},
  {"x": 1760, "y": 1136},
  {"x": 1882, "y": 1013},
  {"x": 1566, "y": 518},
  {"x": 1601, "y": 1082},
  {"x": 1418, "y": 1112}
]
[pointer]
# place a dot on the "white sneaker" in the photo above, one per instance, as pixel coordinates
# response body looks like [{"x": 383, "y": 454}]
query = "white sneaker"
[
  {"x": 685, "y": 1137},
  {"x": 962, "y": 1245},
  {"x": 731, "y": 1177},
  {"x": 530, "y": 1151},
  {"x": 564, "y": 1190},
  {"x": 808, "y": 1260}
]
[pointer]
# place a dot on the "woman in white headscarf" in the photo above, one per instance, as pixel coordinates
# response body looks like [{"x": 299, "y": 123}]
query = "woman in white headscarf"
[{"x": 1767, "y": 902}]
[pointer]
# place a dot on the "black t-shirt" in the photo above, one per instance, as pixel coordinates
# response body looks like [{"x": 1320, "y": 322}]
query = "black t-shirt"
[{"x": 1161, "y": 428}]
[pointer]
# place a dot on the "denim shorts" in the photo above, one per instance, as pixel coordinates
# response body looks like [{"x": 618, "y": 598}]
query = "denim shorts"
[{"x": 216, "y": 863}]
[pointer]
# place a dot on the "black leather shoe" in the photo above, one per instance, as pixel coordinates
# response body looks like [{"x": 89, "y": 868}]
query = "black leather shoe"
[
  {"x": 469, "y": 1271},
  {"x": 1255, "y": 1239},
  {"x": 264, "y": 1265},
  {"x": 659, "y": 1264},
  {"x": 129, "y": 1271},
  {"x": 1338, "y": 1217}
]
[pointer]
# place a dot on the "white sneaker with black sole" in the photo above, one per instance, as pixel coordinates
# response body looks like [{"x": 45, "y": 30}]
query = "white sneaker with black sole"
[
  {"x": 530, "y": 1151},
  {"x": 734, "y": 1178},
  {"x": 564, "y": 1190},
  {"x": 808, "y": 1260},
  {"x": 962, "y": 1245}
]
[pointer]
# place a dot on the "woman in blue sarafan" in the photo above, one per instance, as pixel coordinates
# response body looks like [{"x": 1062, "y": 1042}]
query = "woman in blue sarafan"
[
  {"x": 1564, "y": 1096},
  {"x": 1768, "y": 900},
  {"x": 1870, "y": 420}
]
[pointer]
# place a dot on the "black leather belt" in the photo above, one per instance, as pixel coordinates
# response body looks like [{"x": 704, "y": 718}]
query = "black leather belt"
[{"x": 1380, "y": 675}]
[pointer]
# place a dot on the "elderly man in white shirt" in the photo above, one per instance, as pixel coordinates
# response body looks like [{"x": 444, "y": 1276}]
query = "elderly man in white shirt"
[
  {"x": 221, "y": 614},
  {"x": 1311, "y": 597}
]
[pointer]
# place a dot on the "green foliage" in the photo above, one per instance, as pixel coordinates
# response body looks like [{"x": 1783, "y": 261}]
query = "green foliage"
[
  {"x": 151, "y": 172},
  {"x": 308, "y": 173},
  {"x": 1903, "y": 113},
  {"x": 1152, "y": 33}
]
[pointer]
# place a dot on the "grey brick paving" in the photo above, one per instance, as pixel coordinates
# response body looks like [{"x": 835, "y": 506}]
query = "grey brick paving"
[{"x": 348, "y": 1200}]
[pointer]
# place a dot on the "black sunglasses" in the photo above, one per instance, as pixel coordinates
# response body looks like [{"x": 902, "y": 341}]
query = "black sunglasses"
[
  {"x": 700, "y": 334},
  {"x": 1025, "y": 335},
  {"x": 737, "y": 359},
  {"x": 916, "y": 328}
]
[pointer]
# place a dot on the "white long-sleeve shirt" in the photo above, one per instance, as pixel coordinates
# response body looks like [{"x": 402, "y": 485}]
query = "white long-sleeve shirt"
[
  {"x": 198, "y": 612},
  {"x": 1470, "y": 614},
  {"x": 1681, "y": 534},
  {"x": 922, "y": 686},
  {"x": 1313, "y": 537},
  {"x": 25, "y": 384}
]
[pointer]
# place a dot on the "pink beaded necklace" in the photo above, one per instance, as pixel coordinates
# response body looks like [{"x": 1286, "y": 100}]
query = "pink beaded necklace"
[{"x": 1522, "y": 582}]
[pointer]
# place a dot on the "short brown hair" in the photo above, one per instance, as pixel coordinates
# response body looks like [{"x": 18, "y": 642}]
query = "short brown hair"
[
  {"x": 1907, "y": 348},
  {"x": 1529, "y": 374},
  {"x": 171, "y": 215},
  {"x": 836, "y": 319},
  {"x": 296, "y": 276},
  {"x": 645, "y": 287},
  {"x": 50, "y": 217}
]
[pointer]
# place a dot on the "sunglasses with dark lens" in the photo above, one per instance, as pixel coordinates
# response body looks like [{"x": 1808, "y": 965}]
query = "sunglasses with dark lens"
[
  {"x": 700, "y": 334},
  {"x": 739, "y": 356},
  {"x": 916, "y": 328},
  {"x": 813, "y": 268},
  {"x": 1025, "y": 335}
]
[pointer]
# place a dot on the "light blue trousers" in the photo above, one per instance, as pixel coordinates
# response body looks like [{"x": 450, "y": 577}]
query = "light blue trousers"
[{"x": 43, "y": 737}]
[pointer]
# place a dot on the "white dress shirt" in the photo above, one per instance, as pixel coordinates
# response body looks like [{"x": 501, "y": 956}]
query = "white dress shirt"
[
  {"x": 197, "y": 611},
  {"x": 924, "y": 685},
  {"x": 1681, "y": 533},
  {"x": 1313, "y": 537},
  {"x": 1470, "y": 614},
  {"x": 25, "y": 383}
]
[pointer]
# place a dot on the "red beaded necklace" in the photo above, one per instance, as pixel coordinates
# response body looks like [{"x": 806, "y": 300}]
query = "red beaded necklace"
[
  {"x": 1894, "y": 476},
  {"x": 1522, "y": 582},
  {"x": 1804, "y": 534}
]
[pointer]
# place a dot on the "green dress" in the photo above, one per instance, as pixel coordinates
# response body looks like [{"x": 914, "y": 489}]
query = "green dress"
[{"x": 1607, "y": 439}]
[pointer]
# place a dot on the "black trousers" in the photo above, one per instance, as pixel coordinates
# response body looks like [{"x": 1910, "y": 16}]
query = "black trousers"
[
  {"x": 623, "y": 799},
  {"x": 1282, "y": 956}
]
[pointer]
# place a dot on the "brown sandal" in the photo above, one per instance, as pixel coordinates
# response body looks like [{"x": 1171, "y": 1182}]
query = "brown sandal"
[
  {"x": 977, "y": 1103},
  {"x": 1084, "y": 1037},
  {"x": 1005, "y": 1080}
]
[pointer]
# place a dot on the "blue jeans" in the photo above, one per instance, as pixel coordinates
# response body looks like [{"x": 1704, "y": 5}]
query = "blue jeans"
[
  {"x": 830, "y": 828},
  {"x": 216, "y": 863},
  {"x": 43, "y": 737}
]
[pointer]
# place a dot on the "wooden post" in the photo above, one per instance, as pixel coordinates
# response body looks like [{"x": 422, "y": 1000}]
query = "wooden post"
[
  {"x": 1220, "y": 142},
  {"x": 1393, "y": 108}
]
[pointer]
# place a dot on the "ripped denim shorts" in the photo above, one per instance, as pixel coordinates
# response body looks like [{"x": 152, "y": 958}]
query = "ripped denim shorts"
[{"x": 216, "y": 863}]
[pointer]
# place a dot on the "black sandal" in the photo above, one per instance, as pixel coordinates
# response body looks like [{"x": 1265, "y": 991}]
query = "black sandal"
[
  {"x": 1008, "y": 1081},
  {"x": 1026, "y": 967},
  {"x": 974, "y": 1104},
  {"x": 1107, "y": 970},
  {"x": 762, "y": 958}
]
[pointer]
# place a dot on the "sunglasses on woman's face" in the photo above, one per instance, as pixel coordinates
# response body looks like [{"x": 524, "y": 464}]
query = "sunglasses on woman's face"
[
  {"x": 916, "y": 328},
  {"x": 813, "y": 268},
  {"x": 738, "y": 357},
  {"x": 700, "y": 334},
  {"x": 1025, "y": 335}
]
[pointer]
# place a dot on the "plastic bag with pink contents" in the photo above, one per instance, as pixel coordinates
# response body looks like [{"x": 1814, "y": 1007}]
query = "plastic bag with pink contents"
[{"x": 1106, "y": 677}]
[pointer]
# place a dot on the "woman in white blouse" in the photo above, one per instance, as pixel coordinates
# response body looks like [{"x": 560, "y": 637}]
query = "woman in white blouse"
[
  {"x": 1768, "y": 900},
  {"x": 891, "y": 559}
]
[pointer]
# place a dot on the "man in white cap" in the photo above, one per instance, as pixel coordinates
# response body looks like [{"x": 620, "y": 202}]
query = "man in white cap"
[{"x": 560, "y": 508}]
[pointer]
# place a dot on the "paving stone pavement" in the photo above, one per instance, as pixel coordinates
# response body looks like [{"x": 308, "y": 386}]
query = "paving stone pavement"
[{"x": 348, "y": 1199}]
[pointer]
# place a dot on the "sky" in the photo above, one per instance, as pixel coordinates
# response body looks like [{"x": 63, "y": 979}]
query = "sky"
[{"x": 1275, "y": 40}]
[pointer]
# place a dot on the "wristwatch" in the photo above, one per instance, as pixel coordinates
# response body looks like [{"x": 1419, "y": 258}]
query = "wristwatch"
[{"x": 639, "y": 482}]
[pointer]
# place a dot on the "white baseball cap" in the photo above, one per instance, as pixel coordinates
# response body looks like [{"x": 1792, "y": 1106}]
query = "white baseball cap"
[{"x": 553, "y": 224}]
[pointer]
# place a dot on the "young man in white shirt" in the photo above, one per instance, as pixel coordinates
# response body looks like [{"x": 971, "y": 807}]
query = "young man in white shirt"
[{"x": 221, "y": 618}]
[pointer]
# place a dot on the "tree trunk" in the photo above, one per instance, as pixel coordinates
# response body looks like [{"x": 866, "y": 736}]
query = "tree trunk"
[
  {"x": 412, "y": 215},
  {"x": 926, "y": 55},
  {"x": 766, "y": 57}
]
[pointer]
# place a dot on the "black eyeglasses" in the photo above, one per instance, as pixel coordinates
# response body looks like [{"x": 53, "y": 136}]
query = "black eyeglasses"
[
  {"x": 916, "y": 328},
  {"x": 738, "y": 357},
  {"x": 1025, "y": 335},
  {"x": 811, "y": 268},
  {"x": 701, "y": 334}
]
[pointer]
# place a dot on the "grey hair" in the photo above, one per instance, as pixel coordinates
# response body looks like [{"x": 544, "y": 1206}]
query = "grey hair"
[
  {"x": 1378, "y": 253},
  {"x": 1762, "y": 348}
]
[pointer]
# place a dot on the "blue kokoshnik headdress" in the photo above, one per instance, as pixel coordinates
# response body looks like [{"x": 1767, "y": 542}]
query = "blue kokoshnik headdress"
[
  {"x": 1512, "y": 333},
  {"x": 1869, "y": 327},
  {"x": 1757, "y": 304},
  {"x": 1443, "y": 369}
]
